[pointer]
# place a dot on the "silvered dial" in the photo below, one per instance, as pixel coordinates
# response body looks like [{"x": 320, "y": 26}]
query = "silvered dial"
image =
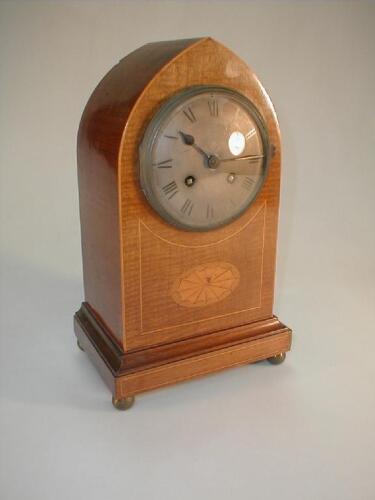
[{"x": 203, "y": 158}]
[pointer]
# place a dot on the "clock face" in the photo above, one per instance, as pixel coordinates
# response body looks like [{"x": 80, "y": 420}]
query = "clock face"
[{"x": 204, "y": 157}]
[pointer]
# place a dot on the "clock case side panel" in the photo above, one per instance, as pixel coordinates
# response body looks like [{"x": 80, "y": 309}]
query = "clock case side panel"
[
  {"x": 204, "y": 63},
  {"x": 99, "y": 136}
]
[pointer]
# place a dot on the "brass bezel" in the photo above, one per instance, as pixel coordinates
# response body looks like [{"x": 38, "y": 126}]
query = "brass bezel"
[{"x": 151, "y": 133}]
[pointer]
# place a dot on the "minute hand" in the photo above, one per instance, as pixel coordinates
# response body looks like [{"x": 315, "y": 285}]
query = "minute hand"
[
  {"x": 247, "y": 157},
  {"x": 235, "y": 166}
]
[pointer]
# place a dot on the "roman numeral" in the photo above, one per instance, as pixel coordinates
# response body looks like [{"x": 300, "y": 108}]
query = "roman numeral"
[
  {"x": 250, "y": 134},
  {"x": 188, "y": 112},
  {"x": 209, "y": 212},
  {"x": 213, "y": 107},
  {"x": 170, "y": 189},
  {"x": 248, "y": 183},
  {"x": 164, "y": 163},
  {"x": 187, "y": 207},
  {"x": 170, "y": 136}
]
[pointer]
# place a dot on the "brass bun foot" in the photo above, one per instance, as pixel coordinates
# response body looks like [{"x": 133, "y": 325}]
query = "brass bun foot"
[
  {"x": 277, "y": 359},
  {"x": 123, "y": 403},
  {"x": 79, "y": 346}
]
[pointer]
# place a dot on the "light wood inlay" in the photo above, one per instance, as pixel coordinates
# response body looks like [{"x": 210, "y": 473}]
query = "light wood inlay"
[
  {"x": 205, "y": 284},
  {"x": 179, "y": 321}
]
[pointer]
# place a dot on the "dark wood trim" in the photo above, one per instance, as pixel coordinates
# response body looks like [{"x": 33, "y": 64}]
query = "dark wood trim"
[
  {"x": 129, "y": 373},
  {"x": 120, "y": 362}
]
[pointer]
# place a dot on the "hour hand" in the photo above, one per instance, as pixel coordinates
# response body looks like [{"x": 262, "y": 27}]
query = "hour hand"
[
  {"x": 190, "y": 141},
  {"x": 187, "y": 138}
]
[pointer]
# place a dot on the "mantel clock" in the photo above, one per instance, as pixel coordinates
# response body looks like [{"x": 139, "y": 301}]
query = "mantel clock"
[{"x": 179, "y": 179}]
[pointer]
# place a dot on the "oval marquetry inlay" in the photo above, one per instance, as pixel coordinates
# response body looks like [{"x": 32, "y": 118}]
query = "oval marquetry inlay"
[{"x": 205, "y": 284}]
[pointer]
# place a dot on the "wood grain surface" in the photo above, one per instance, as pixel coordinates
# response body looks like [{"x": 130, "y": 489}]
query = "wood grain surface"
[
  {"x": 128, "y": 373},
  {"x": 134, "y": 261}
]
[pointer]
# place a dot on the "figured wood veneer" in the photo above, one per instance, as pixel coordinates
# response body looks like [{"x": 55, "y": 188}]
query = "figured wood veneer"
[
  {"x": 127, "y": 374},
  {"x": 205, "y": 284},
  {"x": 134, "y": 261}
]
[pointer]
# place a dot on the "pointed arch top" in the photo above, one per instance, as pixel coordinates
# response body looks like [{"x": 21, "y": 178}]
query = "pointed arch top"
[{"x": 151, "y": 69}]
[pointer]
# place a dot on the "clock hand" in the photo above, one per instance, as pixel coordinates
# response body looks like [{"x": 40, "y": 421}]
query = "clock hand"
[
  {"x": 190, "y": 141},
  {"x": 226, "y": 165},
  {"x": 247, "y": 157}
]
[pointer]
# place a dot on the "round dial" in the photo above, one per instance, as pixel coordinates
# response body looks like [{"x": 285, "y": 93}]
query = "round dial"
[{"x": 203, "y": 158}]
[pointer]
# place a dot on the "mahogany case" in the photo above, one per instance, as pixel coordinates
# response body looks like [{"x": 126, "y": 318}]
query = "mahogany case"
[{"x": 135, "y": 324}]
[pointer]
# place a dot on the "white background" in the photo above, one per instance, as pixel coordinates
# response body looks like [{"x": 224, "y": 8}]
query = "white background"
[{"x": 303, "y": 430}]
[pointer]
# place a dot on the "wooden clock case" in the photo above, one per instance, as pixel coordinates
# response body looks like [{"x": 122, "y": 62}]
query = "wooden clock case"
[{"x": 131, "y": 325}]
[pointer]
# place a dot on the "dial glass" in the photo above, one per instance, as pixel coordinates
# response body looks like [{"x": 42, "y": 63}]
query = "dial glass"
[{"x": 203, "y": 158}]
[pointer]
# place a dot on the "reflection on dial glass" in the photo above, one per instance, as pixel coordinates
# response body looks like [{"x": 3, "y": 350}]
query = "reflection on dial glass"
[
  {"x": 203, "y": 158},
  {"x": 236, "y": 143}
]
